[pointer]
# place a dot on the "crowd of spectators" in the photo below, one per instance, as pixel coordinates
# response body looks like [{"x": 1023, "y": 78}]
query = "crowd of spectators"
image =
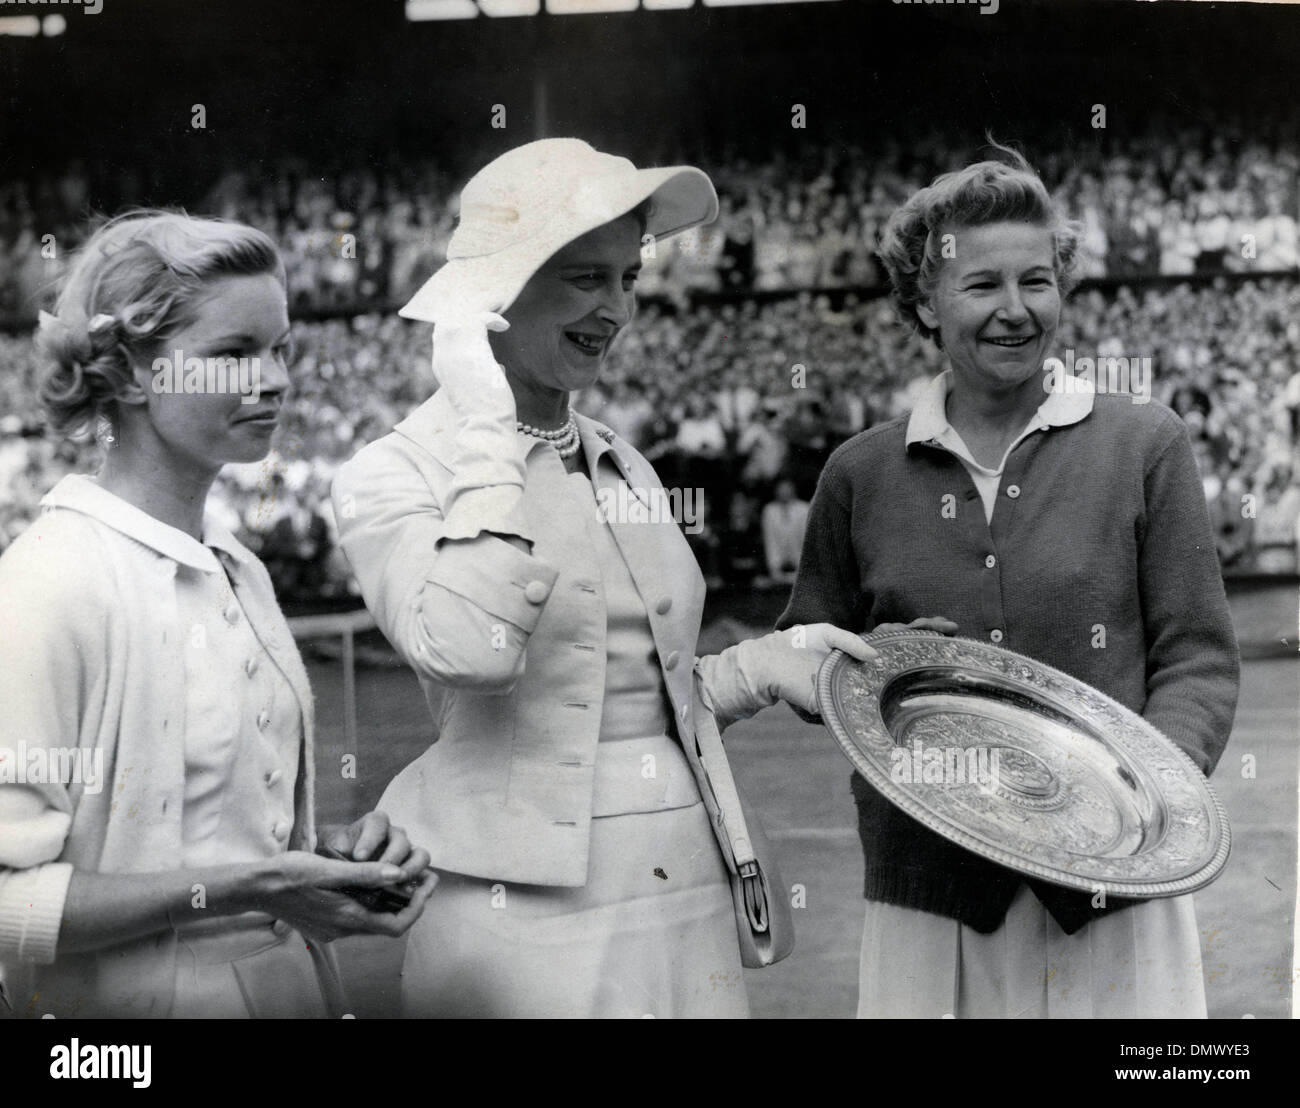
[
  {"x": 742, "y": 396},
  {"x": 744, "y": 401},
  {"x": 1180, "y": 202}
]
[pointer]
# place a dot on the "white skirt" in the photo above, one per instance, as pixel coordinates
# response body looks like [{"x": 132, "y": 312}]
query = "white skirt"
[
  {"x": 1142, "y": 962},
  {"x": 253, "y": 972},
  {"x": 651, "y": 934}
]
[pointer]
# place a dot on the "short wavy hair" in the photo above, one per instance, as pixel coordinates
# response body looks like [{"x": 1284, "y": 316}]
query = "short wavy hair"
[
  {"x": 996, "y": 191},
  {"x": 132, "y": 286}
]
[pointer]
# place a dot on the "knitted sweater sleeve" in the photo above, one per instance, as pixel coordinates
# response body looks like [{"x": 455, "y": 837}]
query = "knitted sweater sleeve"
[
  {"x": 1192, "y": 656},
  {"x": 828, "y": 588},
  {"x": 47, "y": 644}
]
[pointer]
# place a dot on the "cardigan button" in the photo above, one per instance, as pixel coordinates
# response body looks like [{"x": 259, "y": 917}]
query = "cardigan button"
[
  {"x": 280, "y": 832},
  {"x": 664, "y": 606},
  {"x": 535, "y": 592},
  {"x": 995, "y": 635},
  {"x": 281, "y": 928},
  {"x": 990, "y": 562},
  {"x": 1013, "y": 491}
]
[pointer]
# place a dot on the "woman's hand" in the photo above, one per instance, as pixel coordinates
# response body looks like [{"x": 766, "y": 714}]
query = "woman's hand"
[
  {"x": 106, "y": 909},
  {"x": 305, "y": 890},
  {"x": 781, "y": 666},
  {"x": 487, "y": 486},
  {"x": 925, "y": 623},
  {"x": 373, "y": 838},
  {"x": 467, "y": 370},
  {"x": 794, "y": 658}
]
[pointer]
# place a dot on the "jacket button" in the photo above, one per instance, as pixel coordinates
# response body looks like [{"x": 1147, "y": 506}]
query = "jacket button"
[
  {"x": 263, "y": 719},
  {"x": 990, "y": 561},
  {"x": 535, "y": 592},
  {"x": 281, "y": 928},
  {"x": 250, "y": 666},
  {"x": 995, "y": 635},
  {"x": 1013, "y": 491},
  {"x": 671, "y": 661},
  {"x": 274, "y": 778},
  {"x": 280, "y": 832},
  {"x": 232, "y": 613},
  {"x": 664, "y": 605}
]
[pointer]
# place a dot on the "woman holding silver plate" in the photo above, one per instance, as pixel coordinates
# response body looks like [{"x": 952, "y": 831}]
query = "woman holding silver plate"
[{"x": 1062, "y": 524}]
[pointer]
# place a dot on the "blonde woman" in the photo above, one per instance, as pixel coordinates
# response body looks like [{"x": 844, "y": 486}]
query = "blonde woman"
[{"x": 157, "y": 835}]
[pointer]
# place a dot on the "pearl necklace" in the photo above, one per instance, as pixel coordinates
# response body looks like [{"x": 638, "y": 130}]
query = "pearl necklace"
[{"x": 564, "y": 439}]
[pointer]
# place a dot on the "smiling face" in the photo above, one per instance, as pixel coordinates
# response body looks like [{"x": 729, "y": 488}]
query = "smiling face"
[
  {"x": 236, "y": 318},
  {"x": 563, "y": 322},
  {"x": 996, "y": 307}
]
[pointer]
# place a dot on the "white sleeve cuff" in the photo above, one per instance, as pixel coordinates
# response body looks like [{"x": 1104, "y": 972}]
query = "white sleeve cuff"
[
  {"x": 494, "y": 508},
  {"x": 31, "y": 911}
]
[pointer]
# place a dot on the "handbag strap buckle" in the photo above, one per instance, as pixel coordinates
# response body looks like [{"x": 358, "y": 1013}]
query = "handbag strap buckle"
[{"x": 751, "y": 882}]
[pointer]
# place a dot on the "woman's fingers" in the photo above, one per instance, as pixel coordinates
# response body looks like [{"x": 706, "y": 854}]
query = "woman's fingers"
[
  {"x": 415, "y": 863},
  {"x": 339, "y": 837},
  {"x": 326, "y": 873},
  {"x": 401, "y": 921},
  {"x": 836, "y": 638},
  {"x": 365, "y": 921},
  {"x": 372, "y": 832},
  {"x": 934, "y": 623},
  {"x": 397, "y": 849},
  {"x": 939, "y": 624}
]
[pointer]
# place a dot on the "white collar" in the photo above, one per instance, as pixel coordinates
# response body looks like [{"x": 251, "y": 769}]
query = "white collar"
[
  {"x": 80, "y": 493},
  {"x": 929, "y": 418}
]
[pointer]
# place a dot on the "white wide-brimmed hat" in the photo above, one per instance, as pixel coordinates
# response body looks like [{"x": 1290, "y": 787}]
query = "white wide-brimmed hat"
[{"x": 521, "y": 208}]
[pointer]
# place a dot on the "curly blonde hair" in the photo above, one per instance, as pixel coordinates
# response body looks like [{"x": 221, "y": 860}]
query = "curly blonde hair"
[
  {"x": 1003, "y": 190},
  {"x": 130, "y": 288}
]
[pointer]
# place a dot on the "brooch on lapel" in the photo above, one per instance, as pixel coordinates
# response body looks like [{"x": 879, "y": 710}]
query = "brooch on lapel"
[{"x": 605, "y": 434}]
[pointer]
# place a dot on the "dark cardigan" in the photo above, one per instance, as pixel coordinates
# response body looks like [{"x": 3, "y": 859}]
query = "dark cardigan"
[{"x": 1100, "y": 526}]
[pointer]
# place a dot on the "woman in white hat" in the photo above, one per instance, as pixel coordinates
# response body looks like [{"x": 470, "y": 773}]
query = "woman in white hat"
[{"x": 521, "y": 558}]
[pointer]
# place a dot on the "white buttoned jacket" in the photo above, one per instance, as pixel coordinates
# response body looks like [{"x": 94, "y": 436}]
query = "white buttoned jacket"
[
  {"x": 510, "y": 647},
  {"x": 91, "y": 664}
]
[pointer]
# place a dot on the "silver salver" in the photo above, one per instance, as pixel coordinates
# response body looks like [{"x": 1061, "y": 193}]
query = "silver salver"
[{"x": 1025, "y": 766}]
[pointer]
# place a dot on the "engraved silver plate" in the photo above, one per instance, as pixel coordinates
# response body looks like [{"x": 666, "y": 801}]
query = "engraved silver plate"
[{"x": 1025, "y": 766}]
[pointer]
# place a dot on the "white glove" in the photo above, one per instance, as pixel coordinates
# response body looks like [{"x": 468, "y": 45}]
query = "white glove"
[
  {"x": 467, "y": 369},
  {"x": 487, "y": 487},
  {"x": 755, "y": 674}
]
